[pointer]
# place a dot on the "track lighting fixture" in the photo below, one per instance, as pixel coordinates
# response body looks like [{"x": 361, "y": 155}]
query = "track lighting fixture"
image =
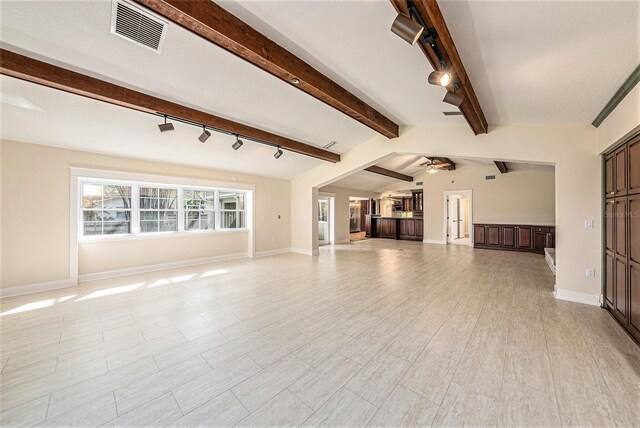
[
  {"x": 453, "y": 99},
  {"x": 440, "y": 78},
  {"x": 164, "y": 127},
  {"x": 278, "y": 153},
  {"x": 237, "y": 144},
  {"x": 407, "y": 29},
  {"x": 205, "y": 135}
]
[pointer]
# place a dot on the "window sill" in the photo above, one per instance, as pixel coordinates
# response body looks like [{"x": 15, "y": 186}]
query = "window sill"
[{"x": 155, "y": 235}]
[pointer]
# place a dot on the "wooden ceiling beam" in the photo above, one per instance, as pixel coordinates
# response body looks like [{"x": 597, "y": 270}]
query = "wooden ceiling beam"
[
  {"x": 502, "y": 166},
  {"x": 212, "y": 22},
  {"x": 430, "y": 13},
  {"x": 32, "y": 70},
  {"x": 389, "y": 173}
]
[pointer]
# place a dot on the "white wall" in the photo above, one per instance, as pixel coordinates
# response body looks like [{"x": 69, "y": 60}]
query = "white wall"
[
  {"x": 35, "y": 217},
  {"x": 518, "y": 197},
  {"x": 341, "y": 209},
  {"x": 571, "y": 148},
  {"x": 621, "y": 121}
]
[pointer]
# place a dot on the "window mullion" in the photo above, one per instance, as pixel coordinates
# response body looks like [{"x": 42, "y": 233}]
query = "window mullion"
[
  {"x": 216, "y": 207},
  {"x": 135, "y": 209},
  {"x": 181, "y": 211}
]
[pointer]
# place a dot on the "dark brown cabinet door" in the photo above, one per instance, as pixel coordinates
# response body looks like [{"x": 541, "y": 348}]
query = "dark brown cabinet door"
[
  {"x": 610, "y": 279},
  {"x": 420, "y": 228},
  {"x": 509, "y": 236},
  {"x": 609, "y": 221},
  {"x": 634, "y": 300},
  {"x": 633, "y": 154},
  {"x": 620, "y": 303},
  {"x": 493, "y": 235},
  {"x": 620, "y": 214},
  {"x": 523, "y": 237},
  {"x": 479, "y": 236},
  {"x": 633, "y": 216},
  {"x": 539, "y": 241},
  {"x": 621, "y": 171},
  {"x": 609, "y": 187}
]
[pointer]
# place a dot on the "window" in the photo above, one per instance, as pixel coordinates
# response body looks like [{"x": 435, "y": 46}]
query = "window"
[
  {"x": 231, "y": 210},
  {"x": 130, "y": 208},
  {"x": 158, "y": 209},
  {"x": 106, "y": 209},
  {"x": 199, "y": 210}
]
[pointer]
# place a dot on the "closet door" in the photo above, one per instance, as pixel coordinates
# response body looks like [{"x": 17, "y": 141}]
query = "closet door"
[
  {"x": 609, "y": 185},
  {"x": 633, "y": 153},
  {"x": 633, "y": 272},
  {"x": 621, "y": 171},
  {"x": 610, "y": 257},
  {"x": 621, "y": 233}
]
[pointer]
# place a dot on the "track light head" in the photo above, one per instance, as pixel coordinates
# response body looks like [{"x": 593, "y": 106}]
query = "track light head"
[
  {"x": 278, "y": 153},
  {"x": 237, "y": 144},
  {"x": 440, "y": 78},
  {"x": 407, "y": 29},
  {"x": 453, "y": 99},
  {"x": 164, "y": 127},
  {"x": 205, "y": 135}
]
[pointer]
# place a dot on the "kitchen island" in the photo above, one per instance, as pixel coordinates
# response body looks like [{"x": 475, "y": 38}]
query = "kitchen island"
[{"x": 401, "y": 228}]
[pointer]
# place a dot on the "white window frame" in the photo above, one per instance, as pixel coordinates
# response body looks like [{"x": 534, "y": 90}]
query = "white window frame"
[
  {"x": 179, "y": 192},
  {"x": 223, "y": 210},
  {"x": 185, "y": 210},
  {"x": 83, "y": 209},
  {"x": 135, "y": 180}
]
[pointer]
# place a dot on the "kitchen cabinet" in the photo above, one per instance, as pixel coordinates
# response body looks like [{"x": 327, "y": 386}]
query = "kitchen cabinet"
[
  {"x": 622, "y": 235},
  {"x": 410, "y": 229},
  {"x": 514, "y": 237},
  {"x": 386, "y": 227}
]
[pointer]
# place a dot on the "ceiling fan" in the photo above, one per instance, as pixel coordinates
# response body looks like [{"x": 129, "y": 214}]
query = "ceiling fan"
[{"x": 434, "y": 164}]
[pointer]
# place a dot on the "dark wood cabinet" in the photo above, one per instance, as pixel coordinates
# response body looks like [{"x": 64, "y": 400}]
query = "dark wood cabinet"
[
  {"x": 514, "y": 237},
  {"x": 523, "y": 238},
  {"x": 620, "y": 172},
  {"x": 609, "y": 187},
  {"x": 410, "y": 229},
  {"x": 633, "y": 153},
  {"x": 622, "y": 235}
]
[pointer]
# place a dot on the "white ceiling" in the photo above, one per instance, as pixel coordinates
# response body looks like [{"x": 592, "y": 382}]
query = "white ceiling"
[
  {"x": 545, "y": 61},
  {"x": 409, "y": 164},
  {"x": 539, "y": 62}
]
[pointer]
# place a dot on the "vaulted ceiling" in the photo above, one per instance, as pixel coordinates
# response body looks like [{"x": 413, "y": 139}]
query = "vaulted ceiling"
[{"x": 530, "y": 62}]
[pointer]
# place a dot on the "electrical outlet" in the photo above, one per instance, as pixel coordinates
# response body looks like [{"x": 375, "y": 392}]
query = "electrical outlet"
[
  {"x": 590, "y": 273},
  {"x": 588, "y": 224}
]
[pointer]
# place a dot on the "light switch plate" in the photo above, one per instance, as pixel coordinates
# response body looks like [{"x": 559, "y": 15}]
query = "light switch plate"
[
  {"x": 590, "y": 273},
  {"x": 588, "y": 224}
]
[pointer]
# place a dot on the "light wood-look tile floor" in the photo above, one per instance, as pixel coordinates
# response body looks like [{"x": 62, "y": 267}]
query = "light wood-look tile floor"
[{"x": 377, "y": 333}]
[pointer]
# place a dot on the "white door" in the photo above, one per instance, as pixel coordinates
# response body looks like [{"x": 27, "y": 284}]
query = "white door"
[
  {"x": 462, "y": 227},
  {"x": 323, "y": 221},
  {"x": 453, "y": 214}
]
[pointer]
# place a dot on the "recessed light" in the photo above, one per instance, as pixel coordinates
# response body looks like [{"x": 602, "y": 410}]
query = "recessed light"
[{"x": 295, "y": 81}]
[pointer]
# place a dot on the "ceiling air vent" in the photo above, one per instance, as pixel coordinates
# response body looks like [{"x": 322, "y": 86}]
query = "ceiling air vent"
[{"x": 137, "y": 25}]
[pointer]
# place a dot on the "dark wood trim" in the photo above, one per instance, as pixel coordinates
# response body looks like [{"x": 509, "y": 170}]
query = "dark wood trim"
[
  {"x": 212, "y": 22},
  {"x": 432, "y": 16},
  {"x": 42, "y": 73},
  {"x": 389, "y": 173},
  {"x": 502, "y": 167}
]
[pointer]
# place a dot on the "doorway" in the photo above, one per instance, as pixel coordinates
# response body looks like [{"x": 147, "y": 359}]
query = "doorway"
[
  {"x": 324, "y": 220},
  {"x": 458, "y": 220}
]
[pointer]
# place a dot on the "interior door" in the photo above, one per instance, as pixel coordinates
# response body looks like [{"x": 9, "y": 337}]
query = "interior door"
[
  {"x": 323, "y": 221},
  {"x": 452, "y": 219},
  {"x": 462, "y": 226}
]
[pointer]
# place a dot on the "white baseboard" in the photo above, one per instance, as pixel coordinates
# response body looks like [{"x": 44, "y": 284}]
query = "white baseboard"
[
  {"x": 162, "y": 266},
  {"x": 305, "y": 252},
  {"x": 433, "y": 241},
  {"x": 272, "y": 252},
  {"x": 577, "y": 297},
  {"x": 35, "y": 288}
]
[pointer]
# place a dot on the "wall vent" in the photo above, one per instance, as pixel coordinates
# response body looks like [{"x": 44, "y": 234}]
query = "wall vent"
[
  {"x": 490, "y": 177},
  {"x": 419, "y": 183},
  {"x": 137, "y": 25}
]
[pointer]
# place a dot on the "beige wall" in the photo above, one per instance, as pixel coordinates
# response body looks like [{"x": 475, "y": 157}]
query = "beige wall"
[
  {"x": 35, "y": 242},
  {"x": 621, "y": 121},
  {"x": 341, "y": 209},
  {"x": 572, "y": 148},
  {"x": 524, "y": 197}
]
